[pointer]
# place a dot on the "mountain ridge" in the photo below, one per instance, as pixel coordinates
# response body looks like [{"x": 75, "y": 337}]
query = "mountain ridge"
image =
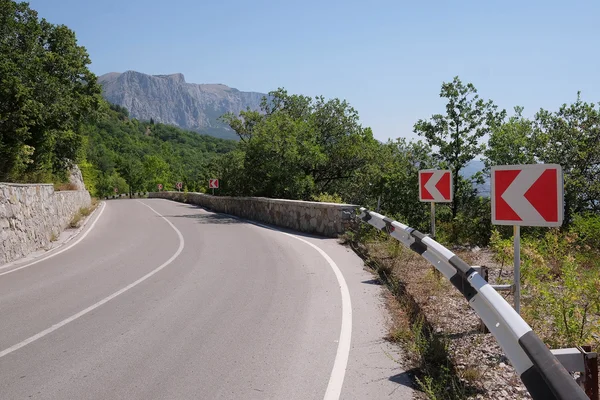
[{"x": 170, "y": 99}]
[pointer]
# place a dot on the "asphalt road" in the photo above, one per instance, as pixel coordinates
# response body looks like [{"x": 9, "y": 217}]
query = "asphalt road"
[{"x": 161, "y": 300}]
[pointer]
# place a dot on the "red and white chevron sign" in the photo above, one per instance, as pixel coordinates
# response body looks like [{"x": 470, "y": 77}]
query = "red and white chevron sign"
[
  {"x": 435, "y": 186},
  {"x": 527, "y": 195},
  {"x": 213, "y": 183}
]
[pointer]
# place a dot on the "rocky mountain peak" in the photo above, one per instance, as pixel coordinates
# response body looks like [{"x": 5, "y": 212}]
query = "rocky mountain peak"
[
  {"x": 176, "y": 78},
  {"x": 169, "y": 99}
]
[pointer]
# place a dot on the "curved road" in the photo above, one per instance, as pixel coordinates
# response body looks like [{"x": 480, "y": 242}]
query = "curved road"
[{"x": 162, "y": 300}]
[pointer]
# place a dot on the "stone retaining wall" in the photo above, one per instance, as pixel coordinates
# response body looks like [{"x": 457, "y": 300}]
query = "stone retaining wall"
[
  {"x": 325, "y": 219},
  {"x": 30, "y": 215}
]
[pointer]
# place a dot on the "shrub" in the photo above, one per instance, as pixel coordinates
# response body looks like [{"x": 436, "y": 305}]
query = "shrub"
[
  {"x": 76, "y": 220},
  {"x": 471, "y": 226},
  {"x": 64, "y": 186},
  {"x": 559, "y": 295},
  {"x": 328, "y": 198},
  {"x": 587, "y": 229}
]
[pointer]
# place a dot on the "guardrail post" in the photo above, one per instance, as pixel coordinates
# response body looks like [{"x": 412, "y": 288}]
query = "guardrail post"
[
  {"x": 581, "y": 359},
  {"x": 484, "y": 272},
  {"x": 590, "y": 375}
]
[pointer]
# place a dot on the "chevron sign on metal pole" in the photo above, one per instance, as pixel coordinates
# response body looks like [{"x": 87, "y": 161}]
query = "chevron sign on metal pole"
[
  {"x": 527, "y": 195},
  {"x": 435, "y": 186}
]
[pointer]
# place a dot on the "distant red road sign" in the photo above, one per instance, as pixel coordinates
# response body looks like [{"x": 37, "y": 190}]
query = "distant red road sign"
[
  {"x": 179, "y": 185},
  {"x": 527, "y": 195},
  {"x": 160, "y": 186},
  {"x": 435, "y": 186},
  {"x": 213, "y": 183}
]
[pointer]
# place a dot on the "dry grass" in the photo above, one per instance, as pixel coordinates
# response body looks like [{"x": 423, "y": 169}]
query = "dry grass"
[
  {"x": 410, "y": 279},
  {"x": 76, "y": 220},
  {"x": 59, "y": 187},
  {"x": 83, "y": 213},
  {"x": 399, "y": 325},
  {"x": 435, "y": 326},
  {"x": 471, "y": 374}
]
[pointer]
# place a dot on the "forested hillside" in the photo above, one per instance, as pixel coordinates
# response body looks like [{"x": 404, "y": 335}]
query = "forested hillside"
[
  {"x": 52, "y": 115},
  {"x": 135, "y": 156},
  {"x": 169, "y": 99}
]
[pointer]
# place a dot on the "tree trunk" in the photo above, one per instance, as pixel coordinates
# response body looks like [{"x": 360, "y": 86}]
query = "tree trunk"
[
  {"x": 567, "y": 210},
  {"x": 455, "y": 190}
]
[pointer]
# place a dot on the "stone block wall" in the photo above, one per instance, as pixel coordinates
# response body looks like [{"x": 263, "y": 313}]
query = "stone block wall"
[
  {"x": 325, "y": 219},
  {"x": 30, "y": 215}
]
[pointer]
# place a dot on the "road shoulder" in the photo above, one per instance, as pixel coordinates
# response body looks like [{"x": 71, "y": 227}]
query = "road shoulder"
[
  {"x": 374, "y": 366},
  {"x": 67, "y": 239}
]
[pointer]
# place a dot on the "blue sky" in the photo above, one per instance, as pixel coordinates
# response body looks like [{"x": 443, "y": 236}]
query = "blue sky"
[{"x": 387, "y": 58}]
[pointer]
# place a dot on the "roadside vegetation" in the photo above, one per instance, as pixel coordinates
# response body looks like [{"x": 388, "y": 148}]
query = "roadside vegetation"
[
  {"x": 135, "y": 156},
  {"x": 83, "y": 213}
]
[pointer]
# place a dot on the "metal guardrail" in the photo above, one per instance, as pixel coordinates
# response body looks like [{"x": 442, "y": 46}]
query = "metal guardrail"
[
  {"x": 136, "y": 195},
  {"x": 542, "y": 374}
]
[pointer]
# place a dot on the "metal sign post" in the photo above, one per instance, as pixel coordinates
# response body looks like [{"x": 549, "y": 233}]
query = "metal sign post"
[
  {"x": 213, "y": 184},
  {"x": 517, "y": 267},
  {"x": 433, "y": 220},
  {"x": 435, "y": 186},
  {"x": 526, "y": 195}
]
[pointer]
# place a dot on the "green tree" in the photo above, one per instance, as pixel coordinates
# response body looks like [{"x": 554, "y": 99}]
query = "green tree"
[
  {"x": 157, "y": 171},
  {"x": 132, "y": 170},
  {"x": 571, "y": 137},
  {"x": 277, "y": 157},
  {"x": 229, "y": 169},
  {"x": 108, "y": 183},
  {"x": 243, "y": 125},
  {"x": 297, "y": 147},
  {"x": 511, "y": 142},
  {"x": 46, "y": 93},
  {"x": 396, "y": 181},
  {"x": 456, "y": 135},
  {"x": 345, "y": 144}
]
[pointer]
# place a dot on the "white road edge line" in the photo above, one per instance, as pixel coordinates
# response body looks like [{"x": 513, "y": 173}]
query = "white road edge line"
[
  {"x": 106, "y": 299},
  {"x": 338, "y": 372},
  {"x": 60, "y": 251}
]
